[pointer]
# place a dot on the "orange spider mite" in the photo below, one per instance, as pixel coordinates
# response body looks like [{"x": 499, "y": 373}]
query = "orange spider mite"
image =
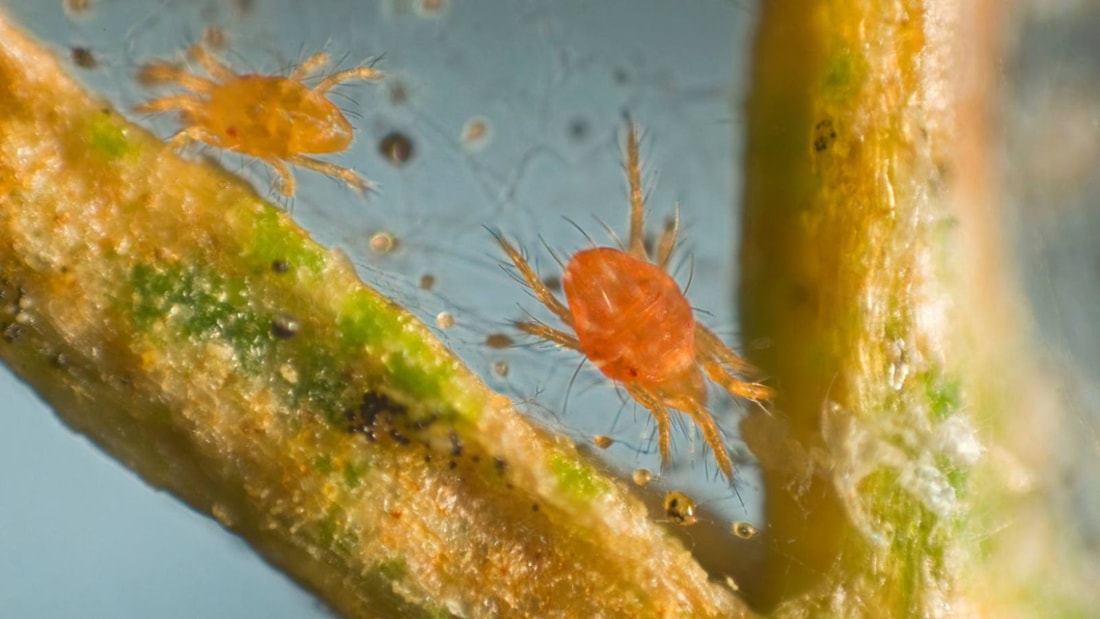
[
  {"x": 630, "y": 318},
  {"x": 275, "y": 119}
]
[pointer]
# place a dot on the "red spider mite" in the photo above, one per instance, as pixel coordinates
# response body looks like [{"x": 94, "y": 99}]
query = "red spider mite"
[
  {"x": 275, "y": 119},
  {"x": 630, "y": 318}
]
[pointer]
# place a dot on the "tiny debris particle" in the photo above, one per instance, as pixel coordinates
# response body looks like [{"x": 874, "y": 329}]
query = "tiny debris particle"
[
  {"x": 215, "y": 37},
  {"x": 280, "y": 266},
  {"x": 744, "y": 530},
  {"x": 578, "y": 129},
  {"x": 431, "y": 8},
  {"x": 427, "y": 282},
  {"x": 603, "y": 442},
  {"x": 285, "y": 326},
  {"x": 383, "y": 242},
  {"x": 289, "y": 373},
  {"x": 444, "y": 320},
  {"x": 500, "y": 368},
  {"x": 498, "y": 340},
  {"x": 553, "y": 282},
  {"x": 500, "y": 465},
  {"x": 396, "y": 148},
  {"x": 77, "y": 7},
  {"x": 680, "y": 508},
  {"x": 456, "y": 446},
  {"x": 83, "y": 57},
  {"x": 399, "y": 93},
  {"x": 642, "y": 477},
  {"x": 475, "y": 133}
]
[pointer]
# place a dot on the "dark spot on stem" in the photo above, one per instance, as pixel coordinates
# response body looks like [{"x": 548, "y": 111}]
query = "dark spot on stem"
[
  {"x": 824, "y": 135},
  {"x": 280, "y": 266},
  {"x": 12, "y": 332},
  {"x": 285, "y": 326}
]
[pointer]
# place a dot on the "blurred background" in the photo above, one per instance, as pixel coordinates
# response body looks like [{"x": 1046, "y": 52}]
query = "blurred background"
[{"x": 510, "y": 115}]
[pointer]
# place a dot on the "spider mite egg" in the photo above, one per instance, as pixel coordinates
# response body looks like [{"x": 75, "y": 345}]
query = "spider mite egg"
[
  {"x": 277, "y": 119},
  {"x": 603, "y": 442},
  {"x": 744, "y": 530},
  {"x": 680, "y": 508},
  {"x": 641, "y": 477},
  {"x": 444, "y": 320},
  {"x": 396, "y": 148},
  {"x": 383, "y": 242}
]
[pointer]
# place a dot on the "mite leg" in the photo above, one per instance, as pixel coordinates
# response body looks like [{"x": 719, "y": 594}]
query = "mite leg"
[
  {"x": 542, "y": 293},
  {"x": 360, "y": 73},
  {"x": 191, "y": 134},
  {"x": 735, "y": 386},
  {"x": 712, "y": 345},
  {"x": 160, "y": 72},
  {"x": 561, "y": 338},
  {"x": 216, "y": 68},
  {"x": 186, "y": 103},
  {"x": 706, "y": 423},
  {"x": 335, "y": 171},
  {"x": 660, "y": 413},
  {"x": 286, "y": 178},
  {"x": 637, "y": 201},
  {"x": 667, "y": 242},
  {"x": 309, "y": 65}
]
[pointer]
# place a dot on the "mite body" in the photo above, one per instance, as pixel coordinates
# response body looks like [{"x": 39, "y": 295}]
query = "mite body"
[
  {"x": 630, "y": 318},
  {"x": 276, "y": 119}
]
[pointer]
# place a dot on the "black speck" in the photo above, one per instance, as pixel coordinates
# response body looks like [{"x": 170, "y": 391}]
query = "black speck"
[
  {"x": 399, "y": 438},
  {"x": 456, "y": 446},
  {"x": 453, "y": 465},
  {"x": 396, "y": 148},
  {"x": 83, "y": 57},
  {"x": 578, "y": 129},
  {"x": 500, "y": 465},
  {"x": 284, "y": 326},
  {"x": 280, "y": 266},
  {"x": 364, "y": 420},
  {"x": 12, "y": 332},
  {"x": 398, "y": 93},
  {"x": 824, "y": 135}
]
